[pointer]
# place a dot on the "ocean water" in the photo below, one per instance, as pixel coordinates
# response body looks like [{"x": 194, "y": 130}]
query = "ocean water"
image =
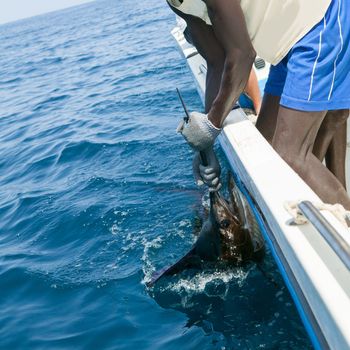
[{"x": 97, "y": 192}]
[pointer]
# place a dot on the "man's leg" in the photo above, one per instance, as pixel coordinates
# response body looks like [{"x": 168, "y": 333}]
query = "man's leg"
[
  {"x": 336, "y": 155},
  {"x": 294, "y": 139},
  {"x": 330, "y": 143},
  {"x": 266, "y": 122}
]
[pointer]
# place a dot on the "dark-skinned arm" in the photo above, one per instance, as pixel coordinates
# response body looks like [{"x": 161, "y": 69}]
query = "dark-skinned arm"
[
  {"x": 253, "y": 91},
  {"x": 207, "y": 45},
  {"x": 209, "y": 48},
  {"x": 230, "y": 29}
]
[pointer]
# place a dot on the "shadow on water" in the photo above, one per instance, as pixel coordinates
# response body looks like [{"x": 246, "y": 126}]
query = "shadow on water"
[{"x": 241, "y": 306}]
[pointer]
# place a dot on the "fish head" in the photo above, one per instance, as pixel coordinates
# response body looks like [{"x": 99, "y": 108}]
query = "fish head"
[
  {"x": 236, "y": 242},
  {"x": 224, "y": 215}
]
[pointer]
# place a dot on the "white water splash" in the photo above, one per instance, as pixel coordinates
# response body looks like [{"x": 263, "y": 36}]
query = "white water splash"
[
  {"x": 148, "y": 268},
  {"x": 115, "y": 229},
  {"x": 199, "y": 282}
]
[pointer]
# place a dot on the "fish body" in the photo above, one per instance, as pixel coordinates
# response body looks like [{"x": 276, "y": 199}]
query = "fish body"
[
  {"x": 230, "y": 235},
  {"x": 240, "y": 237}
]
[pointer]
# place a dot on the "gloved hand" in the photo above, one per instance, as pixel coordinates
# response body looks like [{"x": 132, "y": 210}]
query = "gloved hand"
[
  {"x": 199, "y": 132},
  {"x": 210, "y": 174}
]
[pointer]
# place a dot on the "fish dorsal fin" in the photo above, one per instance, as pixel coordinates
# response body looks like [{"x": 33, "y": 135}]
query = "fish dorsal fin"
[
  {"x": 206, "y": 248},
  {"x": 189, "y": 260}
]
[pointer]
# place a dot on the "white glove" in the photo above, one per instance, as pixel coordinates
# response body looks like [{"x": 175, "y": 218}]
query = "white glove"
[
  {"x": 210, "y": 174},
  {"x": 199, "y": 132}
]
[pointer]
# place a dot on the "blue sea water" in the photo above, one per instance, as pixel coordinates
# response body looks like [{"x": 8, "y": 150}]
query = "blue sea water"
[{"x": 97, "y": 192}]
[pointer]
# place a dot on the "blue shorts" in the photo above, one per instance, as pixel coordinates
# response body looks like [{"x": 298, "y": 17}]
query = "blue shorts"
[{"x": 315, "y": 75}]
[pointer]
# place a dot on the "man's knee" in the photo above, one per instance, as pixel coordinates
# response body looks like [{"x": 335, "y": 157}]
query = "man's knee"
[
  {"x": 295, "y": 160},
  {"x": 295, "y": 136}
]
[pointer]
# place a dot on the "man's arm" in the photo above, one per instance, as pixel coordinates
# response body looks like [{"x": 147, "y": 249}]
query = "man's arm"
[
  {"x": 228, "y": 51},
  {"x": 206, "y": 43},
  {"x": 210, "y": 49},
  {"x": 231, "y": 32},
  {"x": 253, "y": 91}
]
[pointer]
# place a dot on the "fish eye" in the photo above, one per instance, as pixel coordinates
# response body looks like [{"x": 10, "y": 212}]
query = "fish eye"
[{"x": 225, "y": 223}]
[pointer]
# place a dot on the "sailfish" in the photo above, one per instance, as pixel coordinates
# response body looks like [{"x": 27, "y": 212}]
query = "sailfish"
[{"x": 230, "y": 235}]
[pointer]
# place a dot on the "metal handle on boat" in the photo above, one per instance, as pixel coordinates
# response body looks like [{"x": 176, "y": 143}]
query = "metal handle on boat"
[{"x": 333, "y": 238}]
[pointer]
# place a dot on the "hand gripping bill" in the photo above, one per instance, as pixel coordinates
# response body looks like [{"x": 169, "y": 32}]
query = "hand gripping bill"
[{"x": 207, "y": 174}]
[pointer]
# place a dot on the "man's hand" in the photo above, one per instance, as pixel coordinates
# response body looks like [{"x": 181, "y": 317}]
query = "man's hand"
[
  {"x": 199, "y": 132},
  {"x": 210, "y": 174}
]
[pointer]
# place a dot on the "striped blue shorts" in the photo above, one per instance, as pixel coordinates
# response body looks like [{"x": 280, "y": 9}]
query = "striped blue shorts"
[{"x": 315, "y": 75}]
